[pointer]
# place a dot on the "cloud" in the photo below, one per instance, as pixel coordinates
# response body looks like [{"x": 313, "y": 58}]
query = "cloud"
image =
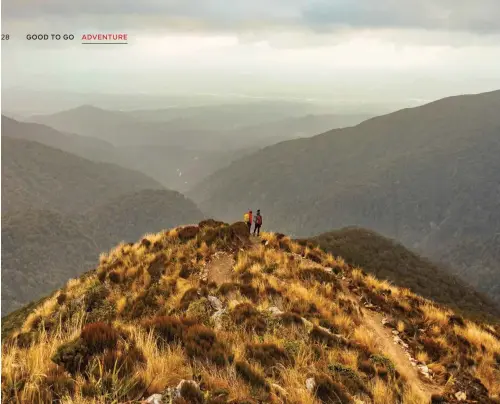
[
  {"x": 465, "y": 15},
  {"x": 479, "y": 16}
]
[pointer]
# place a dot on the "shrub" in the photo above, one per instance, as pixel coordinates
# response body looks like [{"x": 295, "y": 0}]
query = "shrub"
[
  {"x": 99, "y": 336},
  {"x": 289, "y": 318},
  {"x": 185, "y": 272},
  {"x": 95, "y": 297},
  {"x": 188, "y": 232},
  {"x": 227, "y": 288},
  {"x": 89, "y": 390},
  {"x": 167, "y": 328},
  {"x": 314, "y": 256},
  {"x": 328, "y": 391},
  {"x": 156, "y": 269},
  {"x": 268, "y": 355},
  {"x": 272, "y": 292},
  {"x": 61, "y": 298},
  {"x": 367, "y": 368},
  {"x": 115, "y": 277},
  {"x": 59, "y": 383},
  {"x": 316, "y": 274},
  {"x": 254, "y": 379},
  {"x": 249, "y": 291},
  {"x": 433, "y": 348},
  {"x": 227, "y": 236},
  {"x": 189, "y": 296},
  {"x": 73, "y": 356},
  {"x": 383, "y": 365},
  {"x": 210, "y": 223},
  {"x": 101, "y": 274},
  {"x": 191, "y": 393},
  {"x": 201, "y": 343},
  {"x": 25, "y": 339},
  {"x": 246, "y": 314},
  {"x": 200, "y": 310},
  {"x": 124, "y": 362},
  {"x": 246, "y": 276},
  {"x": 456, "y": 320},
  {"x": 438, "y": 399},
  {"x": 304, "y": 308},
  {"x": 349, "y": 378},
  {"x": 329, "y": 325},
  {"x": 245, "y": 290}
]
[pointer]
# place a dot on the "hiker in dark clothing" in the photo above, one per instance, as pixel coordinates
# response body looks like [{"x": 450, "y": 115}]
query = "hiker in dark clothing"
[{"x": 258, "y": 223}]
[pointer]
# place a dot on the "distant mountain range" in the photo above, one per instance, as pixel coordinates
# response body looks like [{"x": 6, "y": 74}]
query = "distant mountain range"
[
  {"x": 60, "y": 211},
  {"x": 35, "y": 175},
  {"x": 181, "y": 146},
  {"x": 427, "y": 176}
]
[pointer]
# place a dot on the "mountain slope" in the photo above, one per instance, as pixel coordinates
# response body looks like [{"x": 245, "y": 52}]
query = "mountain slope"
[
  {"x": 391, "y": 261},
  {"x": 86, "y": 147},
  {"x": 427, "y": 176},
  {"x": 132, "y": 215},
  {"x": 203, "y": 314},
  {"x": 40, "y": 177},
  {"x": 41, "y": 249}
]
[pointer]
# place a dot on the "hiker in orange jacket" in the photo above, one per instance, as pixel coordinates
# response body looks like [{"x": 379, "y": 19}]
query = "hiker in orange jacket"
[
  {"x": 247, "y": 218},
  {"x": 258, "y": 223}
]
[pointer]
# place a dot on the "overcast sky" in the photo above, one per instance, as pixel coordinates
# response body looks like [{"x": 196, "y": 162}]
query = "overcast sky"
[{"x": 318, "y": 49}]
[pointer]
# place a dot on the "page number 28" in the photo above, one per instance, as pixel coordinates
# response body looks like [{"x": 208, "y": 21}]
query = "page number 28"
[{"x": 5, "y": 37}]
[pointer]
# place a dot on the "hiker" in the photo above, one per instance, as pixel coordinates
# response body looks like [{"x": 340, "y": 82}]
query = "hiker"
[
  {"x": 258, "y": 223},
  {"x": 247, "y": 218}
]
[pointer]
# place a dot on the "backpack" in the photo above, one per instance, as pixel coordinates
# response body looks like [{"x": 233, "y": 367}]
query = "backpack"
[
  {"x": 246, "y": 217},
  {"x": 258, "y": 220}
]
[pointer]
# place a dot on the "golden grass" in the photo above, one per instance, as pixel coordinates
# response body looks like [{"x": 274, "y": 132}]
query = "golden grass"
[
  {"x": 242, "y": 263},
  {"x": 344, "y": 322},
  {"x": 45, "y": 310},
  {"x": 434, "y": 314},
  {"x": 357, "y": 275},
  {"x": 377, "y": 284},
  {"x": 295, "y": 248},
  {"x": 217, "y": 379},
  {"x": 347, "y": 357},
  {"x": 365, "y": 337},
  {"x": 30, "y": 365},
  {"x": 270, "y": 267},
  {"x": 121, "y": 304},
  {"x": 422, "y": 356},
  {"x": 164, "y": 368},
  {"x": 412, "y": 395},
  {"x": 478, "y": 337},
  {"x": 489, "y": 374},
  {"x": 382, "y": 393}
]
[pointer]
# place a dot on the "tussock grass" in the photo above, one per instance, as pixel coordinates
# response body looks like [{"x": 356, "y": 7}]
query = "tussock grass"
[
  {"x": 142, "y": 322},
  {"x": 434, "y": 314},
  {"x": 382, "y": 393}
]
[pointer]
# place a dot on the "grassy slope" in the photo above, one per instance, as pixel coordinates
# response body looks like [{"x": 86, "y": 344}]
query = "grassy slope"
[
  {"x": 159, "y": 328},
  {"x": 389, "y": 260},
  {"x": 427, "y": 176},
  {"x": 33, "y": 263}
]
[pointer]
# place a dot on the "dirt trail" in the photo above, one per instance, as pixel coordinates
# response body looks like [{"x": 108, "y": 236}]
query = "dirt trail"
[
  {"x": 220, "y": 268},
  {"x": 397, "y": 355}
]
